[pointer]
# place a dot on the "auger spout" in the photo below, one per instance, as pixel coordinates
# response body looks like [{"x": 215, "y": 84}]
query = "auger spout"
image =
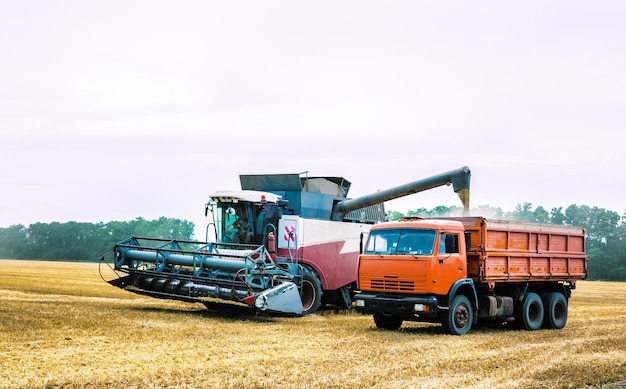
[{"x": 460, "y": 180}]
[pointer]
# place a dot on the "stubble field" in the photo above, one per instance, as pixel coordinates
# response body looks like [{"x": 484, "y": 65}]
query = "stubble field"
[{"x": 61, "y": 326}]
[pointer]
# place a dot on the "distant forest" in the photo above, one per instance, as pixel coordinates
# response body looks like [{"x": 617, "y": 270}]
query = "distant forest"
[
  {"x": 606, "y": 230},
  {"x": 75, "y": 241}
]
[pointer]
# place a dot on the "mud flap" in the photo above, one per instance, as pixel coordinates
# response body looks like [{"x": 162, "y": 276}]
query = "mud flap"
[{"x": 283, "y": 298}]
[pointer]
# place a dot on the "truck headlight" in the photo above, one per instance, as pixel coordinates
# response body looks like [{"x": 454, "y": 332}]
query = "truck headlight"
[
  {"x": 360, "y": 303},
  {"x": 420, "y": 308}
]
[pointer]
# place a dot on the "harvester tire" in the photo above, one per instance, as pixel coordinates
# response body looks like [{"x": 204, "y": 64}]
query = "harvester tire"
[
  {"x": 554, "y": 310},
  {"x": 310, "y": 291}
]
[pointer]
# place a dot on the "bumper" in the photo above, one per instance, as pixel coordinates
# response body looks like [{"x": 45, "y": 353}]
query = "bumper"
[{"x": 425, "y": 307}]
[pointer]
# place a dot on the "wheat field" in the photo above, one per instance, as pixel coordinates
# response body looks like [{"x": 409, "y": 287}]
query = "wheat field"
[{"x": 62, "y": 326}]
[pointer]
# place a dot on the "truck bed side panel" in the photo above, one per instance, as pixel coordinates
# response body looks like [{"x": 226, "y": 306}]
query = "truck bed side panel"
[{"x": 512, "y": 251}]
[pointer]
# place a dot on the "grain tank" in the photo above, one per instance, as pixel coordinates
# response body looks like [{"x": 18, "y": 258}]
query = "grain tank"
[{"x": 284, "y": 243}]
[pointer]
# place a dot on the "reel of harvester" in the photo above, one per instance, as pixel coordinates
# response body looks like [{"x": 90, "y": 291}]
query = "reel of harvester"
[{"x": 198, "y": 271}]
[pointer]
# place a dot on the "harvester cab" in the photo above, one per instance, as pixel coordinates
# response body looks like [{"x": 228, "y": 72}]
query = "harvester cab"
[{"x": 243, "y": 216}]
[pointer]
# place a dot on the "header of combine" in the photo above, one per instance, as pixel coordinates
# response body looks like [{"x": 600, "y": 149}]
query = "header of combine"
[{"x": 283, "y": 243}]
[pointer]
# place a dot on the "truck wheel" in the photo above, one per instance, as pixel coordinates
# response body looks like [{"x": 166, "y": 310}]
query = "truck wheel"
[
  {"x": 310, "y": 291},
  {"x": 529, "y": 314},
  {"x": 459, "y": 319},
  {"x": 387, "y": 322},
  {"x": 555, "y": 310}
]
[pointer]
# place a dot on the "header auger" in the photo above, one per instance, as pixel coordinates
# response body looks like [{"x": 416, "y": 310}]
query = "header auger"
[{"x": 194, "y": 271}]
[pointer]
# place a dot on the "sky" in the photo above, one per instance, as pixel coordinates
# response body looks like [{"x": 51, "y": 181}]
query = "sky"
[{"x": 113, "y": 110}]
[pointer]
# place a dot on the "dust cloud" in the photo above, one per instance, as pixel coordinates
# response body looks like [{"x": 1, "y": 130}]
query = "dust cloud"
[{"x": 464, "y": 195}]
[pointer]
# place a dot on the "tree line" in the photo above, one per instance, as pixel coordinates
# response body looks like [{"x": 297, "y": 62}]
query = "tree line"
[
  {"x": 605, "y": 230},
  {"x": 79, "y": 241}
]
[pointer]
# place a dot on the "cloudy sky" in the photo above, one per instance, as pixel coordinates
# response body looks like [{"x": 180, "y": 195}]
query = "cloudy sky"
[{"x": 112, "y": 110}]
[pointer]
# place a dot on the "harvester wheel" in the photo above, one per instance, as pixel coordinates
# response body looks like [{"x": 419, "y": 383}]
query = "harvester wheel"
[
  {"x": 310, "y": 291},
  {"x": 554, "y": 310}
]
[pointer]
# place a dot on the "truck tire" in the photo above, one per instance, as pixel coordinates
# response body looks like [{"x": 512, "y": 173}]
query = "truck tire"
[
  {"x": 387, "y": 322},
  {"x": 310, "y": 291},
  {"x": 555, "y": 310},
  {"x": 459, "y": 319},
  {"x": 529, "y": 313}
]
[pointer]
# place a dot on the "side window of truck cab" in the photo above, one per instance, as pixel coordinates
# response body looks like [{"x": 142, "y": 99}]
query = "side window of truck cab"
[
  {"x": 442, "y": 243},
  {"x": 448, "y": 243}
]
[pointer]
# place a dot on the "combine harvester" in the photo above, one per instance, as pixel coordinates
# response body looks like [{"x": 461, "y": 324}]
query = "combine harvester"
[{"x": 285, "y": 244}]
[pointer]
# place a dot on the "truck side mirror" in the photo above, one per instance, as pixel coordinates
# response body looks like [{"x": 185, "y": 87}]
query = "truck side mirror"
[
  {"x": 468, "y": 241},
  {"x": 452, "y": 243},
  {"x": 361, "y": 236}
]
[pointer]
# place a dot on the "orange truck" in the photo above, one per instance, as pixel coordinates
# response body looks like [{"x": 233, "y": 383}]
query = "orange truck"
[{"x": 465, "y": 270}]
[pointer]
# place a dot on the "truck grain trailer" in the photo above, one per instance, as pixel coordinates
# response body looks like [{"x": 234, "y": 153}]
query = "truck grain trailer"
[
  {"x": 284, "y": 243},
  {"x": 458, "y": 271}
]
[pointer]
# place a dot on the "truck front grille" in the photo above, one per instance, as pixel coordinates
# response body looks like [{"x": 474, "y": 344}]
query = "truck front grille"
[{"x": 392, "y": 284}]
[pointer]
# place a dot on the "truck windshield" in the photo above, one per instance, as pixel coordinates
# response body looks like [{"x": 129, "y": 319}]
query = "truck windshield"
[{"x": 401, "y": 242}]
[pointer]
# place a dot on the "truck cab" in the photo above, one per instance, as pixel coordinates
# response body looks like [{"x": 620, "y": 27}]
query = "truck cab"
[
  {"x": 409, "y": 268},
  {"x": 414, "y": 256}
]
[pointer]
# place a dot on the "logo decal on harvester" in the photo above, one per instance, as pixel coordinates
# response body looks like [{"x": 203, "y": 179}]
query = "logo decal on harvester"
[{"x": 288, "y": 233}]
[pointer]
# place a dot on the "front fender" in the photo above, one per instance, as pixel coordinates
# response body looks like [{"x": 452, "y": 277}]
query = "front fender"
[{"x": 464, "y": 286}]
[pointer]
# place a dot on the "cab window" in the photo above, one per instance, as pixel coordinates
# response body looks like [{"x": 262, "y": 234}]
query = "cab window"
[
  {"x": 448, "y": 243},
  {"x": 409, "y": 241},
  {"x": 234, "y": 223}
]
